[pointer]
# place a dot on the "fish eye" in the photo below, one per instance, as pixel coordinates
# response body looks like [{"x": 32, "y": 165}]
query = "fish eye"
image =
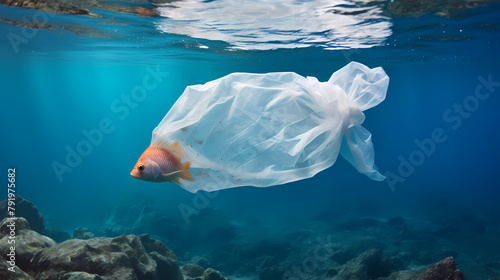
[{"x": 140, "y": 167}]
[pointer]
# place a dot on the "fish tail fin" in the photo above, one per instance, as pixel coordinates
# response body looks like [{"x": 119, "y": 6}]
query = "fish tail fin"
[{"x": 186, "y": 173}]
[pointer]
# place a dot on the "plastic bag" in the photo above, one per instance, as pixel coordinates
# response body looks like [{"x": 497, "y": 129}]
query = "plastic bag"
[{"x": 270, "y": 129}]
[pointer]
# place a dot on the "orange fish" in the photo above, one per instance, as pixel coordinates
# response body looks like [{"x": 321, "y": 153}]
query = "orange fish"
[{"x": 161, "y": 162}]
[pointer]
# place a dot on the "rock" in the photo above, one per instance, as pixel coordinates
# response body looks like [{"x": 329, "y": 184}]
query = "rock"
[
  {"x": 202, "y": 262},
  {"x": 19, "y": 224},
  {"x": 79, "y": 275},
  {"x": 28, "y": 242},
  {"x": 165, "y": 259},
  {"x": 192, "y": 270},
  {"x": 167, "y": 268},
  {"x": 372, "y": 264},
  {"x": 82, "y": 233},
  {"x": 152, "y": 245},
  {"x": 122, "y": 257},
  {"x": 404, "y": 275},
  {"x": 17, "y": 274},
  {"x": 25, "y": 209},
  {"x": 445, "y": 269},
  {"x": 212, "y": 274}
]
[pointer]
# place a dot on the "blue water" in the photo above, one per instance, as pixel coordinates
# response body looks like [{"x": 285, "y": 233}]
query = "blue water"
[{"x": 57, "y": 83}]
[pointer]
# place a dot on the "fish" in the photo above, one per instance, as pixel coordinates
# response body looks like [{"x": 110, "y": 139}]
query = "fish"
[{"x": 161, "y": 162}]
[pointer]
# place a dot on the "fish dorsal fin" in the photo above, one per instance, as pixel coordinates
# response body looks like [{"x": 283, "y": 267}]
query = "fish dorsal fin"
[
  {"x": 174, "y": 147},
  {"x": 177, "y": 150},
  {"x": 160, "y": 144}
]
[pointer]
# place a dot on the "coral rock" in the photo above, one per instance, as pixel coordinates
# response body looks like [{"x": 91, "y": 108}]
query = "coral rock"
[
  {"x": 122, "y": 257},
  {"x": 152, "y": 245},
  {"x": 17, "y": 274},
  {"x": 82, "y": 233},
  {"x": 192, "y": 270},
  {"x": 212, "y": 274},
  {"x": 445, "y": 269},
  {"x": 164, "y": 257},
  {"x": 202, "y": 262},
  {"x": 25, "y": 209},
  {"x": 167, "y": 267},
  {"x": 28, "y": 242},
  {"x": 372, "y": 264},
  {"x": 20, "y": 224}
]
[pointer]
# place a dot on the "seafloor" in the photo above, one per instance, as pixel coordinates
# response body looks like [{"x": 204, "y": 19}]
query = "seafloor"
[{"x": 212, "y": 247}]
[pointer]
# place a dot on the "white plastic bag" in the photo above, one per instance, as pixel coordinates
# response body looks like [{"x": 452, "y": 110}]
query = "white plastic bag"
[{"x": 269, "y": 129}]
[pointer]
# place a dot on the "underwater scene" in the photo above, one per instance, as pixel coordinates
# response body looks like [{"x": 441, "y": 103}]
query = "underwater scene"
[{"x": 250, "y": 140}]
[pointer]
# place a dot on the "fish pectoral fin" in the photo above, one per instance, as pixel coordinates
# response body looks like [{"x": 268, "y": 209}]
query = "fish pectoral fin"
[
  {"x": 173, "y": 177},
  {"x": 170, "y": 174}
]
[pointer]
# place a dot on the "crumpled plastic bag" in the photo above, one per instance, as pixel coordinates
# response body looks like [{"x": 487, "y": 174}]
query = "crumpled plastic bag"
[{"x": 270, "y": 129}]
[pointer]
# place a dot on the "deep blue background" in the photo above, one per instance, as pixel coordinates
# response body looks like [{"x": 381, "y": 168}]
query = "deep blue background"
[{"x": 59, "y": 84}]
